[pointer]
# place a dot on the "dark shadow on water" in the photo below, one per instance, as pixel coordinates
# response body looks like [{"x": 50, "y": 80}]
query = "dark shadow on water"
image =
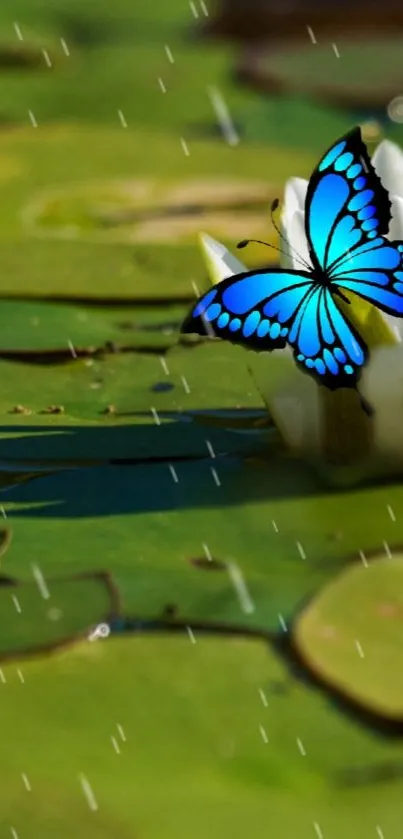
[
  {"x": 178, "y": 435},
  {"x": 163, "y": 487},
  {"x": 182, "y": 474}
]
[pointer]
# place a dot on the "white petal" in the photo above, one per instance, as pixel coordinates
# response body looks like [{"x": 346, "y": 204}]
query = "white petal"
[
  {"x": 396, "y": 224},
  {"x": 220, "y": 262},
  {"x": 292, "y": 398},
  {"x": 294, "y": 196},
  {"x": 388, "y": 163},
  {"x": 382, "y": 386},
  {"x": 294, "y": 231},
  {"x": 395, "y": 234}
]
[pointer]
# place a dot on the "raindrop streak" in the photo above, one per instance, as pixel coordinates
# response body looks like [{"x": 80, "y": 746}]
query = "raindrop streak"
[
  {"x": 263, "y": 734},
  {"x": 115, "y": 745},
  {"x": 122, "y": 735},
  {"x": 47, "y": 58},
  {"x": 3, "y": 512},
  {"x": 223, "y": 116},
  {"x": 173, "y": 473},
  {"x": 100, "y": 631},
  {"x": 207, "y": 552},
  {"x": 156, "y": 417},
  {"x": 2, "y": 677},
  {"x": 215, "y": 476},
  {"x": 363, "y": 559},
  {"x": 33, "y": 120},
  {"x": 311, "y": 34},
  {"x": 162, "y": 86},
  {"x": 72, "y": 350},
  {"x": 40, "y": 581},
  {"x": 263, "y": 697},
  {"x": 317, "y": 830},
  {"x": 18, "y": 32},
  {"x": 210, "y": 449},
  {"x": 191, "y": 636},
  {"x": 87, "y": 790},
  {"x": 204, "y": 8},
  {"x": 14, "y": 833},
  {"x": 387, "y": 550},
  {"x": 21, "y": 677},
  {"x": 164, "y": 365},
  {"x": 122, "y": 119},
  {"x": 300, "y": 550},
  {"x": 282, "y": 623},
  {"x": 25, "y": 781},
  {"x": 185, "y": 147},
  {"x": 360, "y": 651},
  {"x": 194, "y": 11},
  {"x": 208, "y": 327},
  {"x": 195, "y": 289},
  {"x": 64, "y": 46},
  {"x": 301, "y": 746},
  {"x": 16, "y": 603},
  {"x": 169, "y": 54},
  {"x": 185, "y": 385},
  {"x": 391, "y": 513},
  {"x": 380, "y": 832},
  {"x": 275, "y": 528},
  {"x": 236, "y": 577},
  {"x": 335, "y": 50}
]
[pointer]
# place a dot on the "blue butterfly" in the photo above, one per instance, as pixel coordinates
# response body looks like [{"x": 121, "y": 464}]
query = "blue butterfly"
[{"x": 347, "y": 215}]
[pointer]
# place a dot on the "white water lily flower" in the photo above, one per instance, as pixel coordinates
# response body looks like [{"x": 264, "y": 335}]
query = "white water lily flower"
[
  {"x": 332, "y": 427},
  {"x": 382, "y": 379},
  {"x": 382, "y": 386},
  {"x": 388, "y": 162},
  {"x": 291, "y": 396}
]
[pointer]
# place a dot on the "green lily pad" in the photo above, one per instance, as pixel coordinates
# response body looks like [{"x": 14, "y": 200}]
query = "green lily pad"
[
  {"x": 242, "y": 749},
  {"x": 129, "y": 406},
  {"x": 357, "y": 80},
  {"x": 68, "y": 270},
  {"x": 210, "y": 376},
  {"x": 32, "y": 623},
  {"x": 351, "y": 634},
  {"x": 34, "y": 327},
  {"x": 192, "y": 590}
]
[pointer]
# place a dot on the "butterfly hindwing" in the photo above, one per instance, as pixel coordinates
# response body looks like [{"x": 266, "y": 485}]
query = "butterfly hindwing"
[
  {"x": 252, "y": 309},
  {"x": 325, "y": 344},
  {"x": 346, "y": 204}
]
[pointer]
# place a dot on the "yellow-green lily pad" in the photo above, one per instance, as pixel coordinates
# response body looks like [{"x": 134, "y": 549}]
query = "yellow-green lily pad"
[{"x": 351, "y": 634}]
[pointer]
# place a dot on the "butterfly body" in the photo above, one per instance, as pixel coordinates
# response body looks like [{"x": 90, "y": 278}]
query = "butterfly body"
[{"x": 347, "y": 216}]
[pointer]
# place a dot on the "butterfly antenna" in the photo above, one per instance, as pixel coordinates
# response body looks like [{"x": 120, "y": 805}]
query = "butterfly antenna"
[
  {"x": 246, "y": 242},
  {"x": 274, "y": 206}
]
